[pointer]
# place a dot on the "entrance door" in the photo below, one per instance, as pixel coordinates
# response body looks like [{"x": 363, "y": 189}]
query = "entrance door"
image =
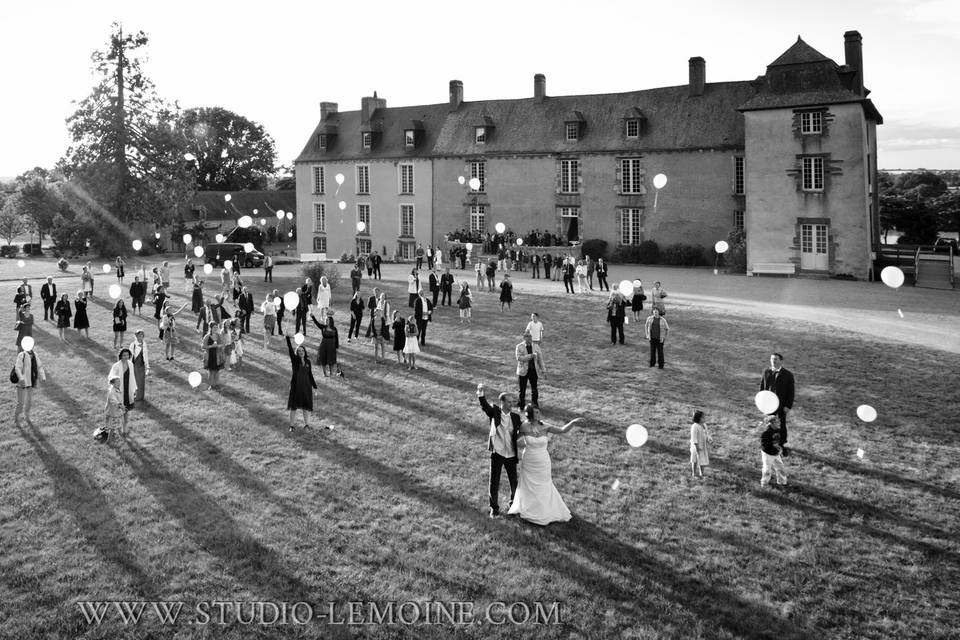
[{"x": 813, "y": 247}]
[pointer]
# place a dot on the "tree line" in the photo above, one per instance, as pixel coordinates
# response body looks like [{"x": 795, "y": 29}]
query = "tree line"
[{"x": 919, "y": 205}]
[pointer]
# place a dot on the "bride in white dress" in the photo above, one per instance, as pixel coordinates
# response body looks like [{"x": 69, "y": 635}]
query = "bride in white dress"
[{"x": 537, "y": 500}]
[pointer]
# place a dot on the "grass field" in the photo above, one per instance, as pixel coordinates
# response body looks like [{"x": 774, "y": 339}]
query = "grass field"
[{"x": 212, "y": 499}]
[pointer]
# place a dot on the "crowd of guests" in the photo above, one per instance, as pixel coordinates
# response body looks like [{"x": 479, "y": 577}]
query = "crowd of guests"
[{"x": 491, "y": 242}]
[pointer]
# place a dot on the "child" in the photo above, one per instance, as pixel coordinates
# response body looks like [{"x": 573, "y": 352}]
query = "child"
[
  {"x": 770, "y": 451},
  {"x": 699, "y": 437},
  {"x": 237, "y": 346},
  {"x": 399, "y": 336},
  {"x": 115, "y": 410},
  {"x": 412, "y": 345},
  {"x": 465, "y": 302}
]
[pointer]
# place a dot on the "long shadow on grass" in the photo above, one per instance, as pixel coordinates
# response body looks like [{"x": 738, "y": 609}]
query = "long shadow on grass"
[{"x": 90, "y": 509}]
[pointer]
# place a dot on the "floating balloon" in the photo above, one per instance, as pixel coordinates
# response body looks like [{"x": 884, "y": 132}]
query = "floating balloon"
[
  {"x": 106, "y": 268},
  {"x": 892, "y": 277},
  {"x": 860, "y": 453},
  {"x": 189, "y": 156},
  {"x": 263, "y": 221},
  {"x": 361, "y": 226},
  {"x": 157, "y": 235},
  {"x": 469, "y": 246},
  {"x": 254, "y": 212},
  {"x": 475, "y": 184},
  {"x": 625, "y": 288},
  {"x": 500, "y": 227},
  {"x": 342, "y": 205},
  {"x": 137, "y": 245},
  {"x": 291, "y": 300},
  {"x": 115, "y": 291},
  {"x": 659, "y": 181},
  {"x": 721, "y": 246},
  {"x": 194, "y": 379},
  {"x": 227, "y": 197},
  {"x": 637, "y": 284},
  {"x": 767, "y": 401},
  {"x": 248, "y": 247},
  {"x": 221, "y": 237},
  {"x": 289, "y": 215},
  {"x": 339, "y": 178},
  {"x": 298, "y": 339},
  {"x": 519, "y": 242},
  {"x": 198, "y": 251},
  {"x": 280, "y": 214},
  {"x": 27, "y": 343},
  {"x": 208, "y": 268},
  {"x": 21, "y": 263},
  {"x": 636, "y": 435},
  {"x": 289, "y": 234},
  {"x": 187, "y": 238},
  {"x": 866, "y": 413},
  {"x": 461, "y": 180},
  {"x": 244, "y": 222}
]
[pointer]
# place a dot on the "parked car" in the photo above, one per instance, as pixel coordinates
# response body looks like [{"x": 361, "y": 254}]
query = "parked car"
[{"x": 216, "y": 253}]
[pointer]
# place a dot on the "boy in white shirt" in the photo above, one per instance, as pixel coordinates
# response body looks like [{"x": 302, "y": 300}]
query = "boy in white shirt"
[{"x": 535, "y": 327}]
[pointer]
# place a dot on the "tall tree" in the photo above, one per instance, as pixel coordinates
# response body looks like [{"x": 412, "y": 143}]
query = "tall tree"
[
  {"x": 125, "y": 163},
  {"x": 12, "y": 223},
  {"x": 34, "y": 200},
  {"x": 229, "y": 151}
]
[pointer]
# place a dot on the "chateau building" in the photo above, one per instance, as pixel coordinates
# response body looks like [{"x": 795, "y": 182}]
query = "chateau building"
[{"x": 789, "y": 157}]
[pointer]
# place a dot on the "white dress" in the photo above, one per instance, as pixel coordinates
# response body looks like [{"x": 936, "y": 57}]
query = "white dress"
[
  {"x": 537, "y": 500},
  {"x": 323, "y": 297}
]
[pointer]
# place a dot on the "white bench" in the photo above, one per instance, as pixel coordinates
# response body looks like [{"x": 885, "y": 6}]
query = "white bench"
[{"x": 777, "y": 268}]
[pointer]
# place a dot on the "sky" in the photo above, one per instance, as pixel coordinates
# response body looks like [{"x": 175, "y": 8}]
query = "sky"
[{"x": 274, "y": 63}]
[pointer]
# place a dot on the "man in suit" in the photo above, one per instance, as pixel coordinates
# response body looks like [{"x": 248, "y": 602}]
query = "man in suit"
[
  {"x": 419, "y": 254},
  {"x": 434, "y": 281},
  {"x": 446, "y": 287},
  {"x": 779, "y": 380},
  {"x": 48, "y": 292},
  {"x": 376, "y": 259},
  {"x": 602, "y": 275},
  {"x": 372, "y": 308},
  {"x": 656, "y": 331},
  {"x": 245, "y": 304},
  {"x": 529, "y": 369},
  {"x": 502, "y": 445},
  {"x": 268, "y": 268},
  {"x": 421, "y": 313},
  {"x": 535, "y": 261}
]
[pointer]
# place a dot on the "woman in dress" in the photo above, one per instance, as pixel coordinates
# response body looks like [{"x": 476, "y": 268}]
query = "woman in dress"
[
  {"x": 506, "y": 292},
  {"x": 168, "y": 324},
  {"x": 18, "y": 300},
  {"x": 399, "y": 327},
  {"x": 699, "y": 447},
  {"x": 465, "y": 302},
  {"x": 380, "y": 330},
  {"x": 411, "y": 346},
  {"x": 269, "y": 311},
  {"x": 29, "y": 372},
  {"x": 188, "y": 270},
  {"x": 63, "y": 312},
  {"x": 581, "y": 273},
  {"x": 80, "y": 321},
  {"x": 537, "y": 500},
  {"x": 323, "y": 297},
  {"x": 636, "y": 303},
  {"x": 119, "y": 323},
  {"x": 226, "y": 341},
  {"x": 196, "y": 300},
  {"x": 236, "y": 289},
  {"x": 413, "y": 286},
  {"x": 24, "y": 323},
  {"x": 141, "y": 363},
  {"x": 329, "y": 343},
  {"x": 302, "y": 384},
  {"x": 123, "y": 369},
  {"x": 119, "y": 265},
  {"x": 212, "y": 353}
]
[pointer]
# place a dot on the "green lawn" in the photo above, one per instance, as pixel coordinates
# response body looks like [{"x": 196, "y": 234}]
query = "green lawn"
[{"x": 211, "y": 498}]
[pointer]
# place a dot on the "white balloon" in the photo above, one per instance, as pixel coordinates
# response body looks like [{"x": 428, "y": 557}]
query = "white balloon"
[
  {"x": 228, "y": 264},
  {"x": 291, "y": 300},
  {"x": 27, "y": 343},
  {"x": 625, "y": 288},
  {"x": 280, "y": 214},
  {"x": 187, "y": 238},
  {"x": 298, "y": 339},
  {"x": 137, "y": 245},
  {"x": 106, "y": 268},
  {"x": 500, "y": 227},
  {"x": 475, "y": 184},
  {"x": 469, "y": 246},
  {"x": 637, "y": 284},
  {"x": 866, "y": 413},
  {"x": 289, "y": 215},
  {"x": 721, "y": 246},
  {"x": 519, "y": 241},
  {"x": 254, "y": 212},
  {"x": 157, "y": 235},
  {"x": 339, "y": 179},
  {"x": 659, "y": 181},
  {"x": 861, "y": 453},
  {"x": 221, "y": 237},
  {"x": 461, "y": 180},
  {"x": 248, "y": 247},
  {"x": 208, "y": 268},
  {"x": 21, "y": 263},
  {"x": 189, "y": 156},
  {"x": 227, "y": 197},
  {"x": 636, "y": 435},
  {"x": 194, "y": 379},
  {"x": 244, "y": 222},
  {"x": 263, "y": 221},
  {"x": 767, "y": 401},
  {"x": 342, "y": 205},
  {"x": 115, "y": 291},
  {"x": 361, "y": 226},
  {"x": 892, "y": 276},
  {"x": 198, "y": 251}
]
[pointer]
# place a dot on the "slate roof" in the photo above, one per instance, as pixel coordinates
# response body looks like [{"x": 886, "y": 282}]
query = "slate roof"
[
  {"x": 674, "y": 121},
  {"x": 800, "y": 53},
  {"x": 243, "y": 203}
]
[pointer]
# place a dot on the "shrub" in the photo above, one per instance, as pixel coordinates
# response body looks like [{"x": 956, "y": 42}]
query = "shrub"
[
  {"x": 735, "y": 257},
  {"x": 595, "y": 248},
  {"x": 680, "y": 254},
  {"x": 314, "y": 270},
  {"x": 649, "y": 252},
  {"x": 8, "y": 251},
  {"x": 347, "y": 258}
]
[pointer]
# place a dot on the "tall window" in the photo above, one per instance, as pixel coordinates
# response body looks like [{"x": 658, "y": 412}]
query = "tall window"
[
  {"x": 319, "y": 217},
  {"x": 318, "y": 180},
  {"x": 631, "y": 176},
  {"x": 481, "y": 135},
  {"x": 569, "y": 176},
  {"x": 633, "y": 128},
  {"x": 478, "y": 170},
  {"x": 811, "y": 122},
  {"x": 363, "y": 215},
  {"x": 630, "y": 226},
  {"x": 364, "y": 245},
  {"x": 478, "y": 217},
  {"x": 320, "y": 244},
  {"x": 367, "y": 139},
  {"x": 322, "y": 141},
  {"x": 738, "y": 219},
  {"x": 407, "y": 250},
  {"x": 813, "y": 173},
  {"x": 573, "y": 131},
  {"x": 406, "y": 220},
  {"x": 409, "y": 138},
  {"x": 738, "y": 185},
  {"x": 406, "y": 178},
  {"x": 363, "y": 178}
]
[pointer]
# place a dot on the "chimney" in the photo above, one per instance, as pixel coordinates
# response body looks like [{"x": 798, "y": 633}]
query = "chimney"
[
  {"x": 327, "y": 109},
  {"x": 853, "y": 56},
  {"x": 539, "y": 86},
  {"x": 698, "y": 75},
  {"x": 456, "y": 94},
  {"x": 369, "y": 105}
]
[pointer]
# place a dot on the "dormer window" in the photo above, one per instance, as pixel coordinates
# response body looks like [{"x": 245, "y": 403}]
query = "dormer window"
[
  {"x": 481, "y": 135},
  {"x": 573, "y": 126},
  {"x": 409, "y": 138},
  {"x": 367, "y": 140},
  {"x": 323, "y": 141},
  {"x": 634, "y": 123},
  {"x": 633, "y": 128},
  {"x": 573, "y": 131}
]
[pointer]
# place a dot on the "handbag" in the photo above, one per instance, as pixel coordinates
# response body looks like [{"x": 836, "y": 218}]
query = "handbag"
[{"x": 14, "y": 378}]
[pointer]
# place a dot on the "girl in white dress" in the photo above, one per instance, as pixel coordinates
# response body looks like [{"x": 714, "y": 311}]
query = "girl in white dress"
[
  {"x": 537, "y": 500},
  {"x": 699, "y": 437},
  {"x": 323, "y": 297}
]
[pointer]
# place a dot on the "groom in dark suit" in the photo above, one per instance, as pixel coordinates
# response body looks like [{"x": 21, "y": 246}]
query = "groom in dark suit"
[
  {"x": 502, "y": 444},
  {"x": 49, "y": 294},
  {"x": 779, "y": 380}
]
